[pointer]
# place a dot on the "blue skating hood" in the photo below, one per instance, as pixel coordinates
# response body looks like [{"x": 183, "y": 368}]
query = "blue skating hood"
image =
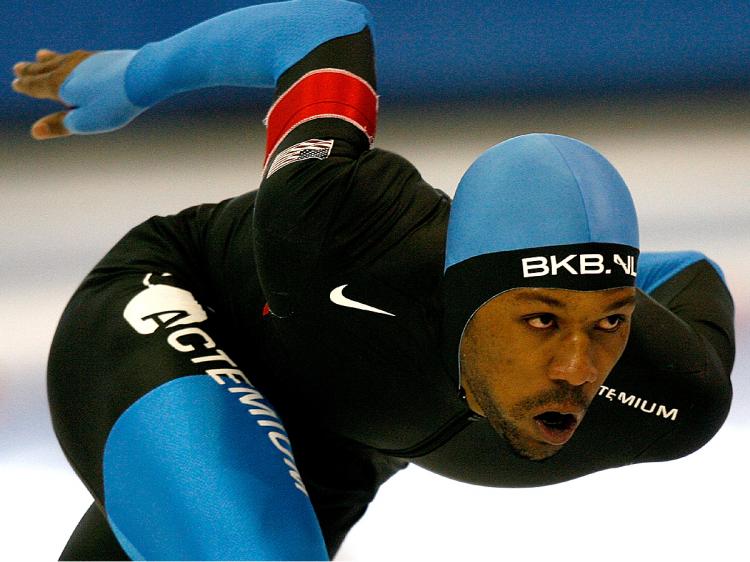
[{"x": 538, "y": 210}]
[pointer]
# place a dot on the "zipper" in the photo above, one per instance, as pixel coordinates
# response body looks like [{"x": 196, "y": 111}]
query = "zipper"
[{"x": 449, "y": 430}]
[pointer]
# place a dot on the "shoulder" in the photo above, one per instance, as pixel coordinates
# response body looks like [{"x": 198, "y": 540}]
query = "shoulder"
[
  {"x": 390, "y": 171},
  {"x": 657, "y": 268}
]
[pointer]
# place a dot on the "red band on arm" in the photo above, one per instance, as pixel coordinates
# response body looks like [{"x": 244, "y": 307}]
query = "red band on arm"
[{"x": 322, "y": 93}]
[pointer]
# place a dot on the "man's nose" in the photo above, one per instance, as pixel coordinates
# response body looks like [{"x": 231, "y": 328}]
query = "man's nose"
[{"x": 574, "y": 362}]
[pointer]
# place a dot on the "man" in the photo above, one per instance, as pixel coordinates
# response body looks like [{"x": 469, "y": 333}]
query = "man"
[{"x": 385, "y": 323}]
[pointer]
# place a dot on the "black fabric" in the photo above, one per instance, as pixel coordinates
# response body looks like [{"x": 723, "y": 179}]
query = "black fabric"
[
  {"x": 92, "y": 539},
  {"x": 353, "y": 53},
  {"x": 700, "y": 325}
]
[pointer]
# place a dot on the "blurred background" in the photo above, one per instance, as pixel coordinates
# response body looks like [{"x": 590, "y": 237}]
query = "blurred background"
[{"x": 661, "y": 88}]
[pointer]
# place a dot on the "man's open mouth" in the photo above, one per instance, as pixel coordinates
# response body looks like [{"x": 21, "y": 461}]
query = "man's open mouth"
[{"x": 556, "y": 428}]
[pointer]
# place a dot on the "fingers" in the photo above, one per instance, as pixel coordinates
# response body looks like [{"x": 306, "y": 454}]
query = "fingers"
[
  {"x": 43, "y": 55},
  {"x": 43, "y": 86},
  {"x": 50, "y": 127},
  {"x": 42, "y": 79},
  {"x": 46, "y": 60},
  {"x": 35, "y": 68}
]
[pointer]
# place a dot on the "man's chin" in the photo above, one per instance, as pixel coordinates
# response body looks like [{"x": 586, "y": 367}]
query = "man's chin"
[
  {"x": 534, "y": 451},
  {"x": 524, "y": 446}
]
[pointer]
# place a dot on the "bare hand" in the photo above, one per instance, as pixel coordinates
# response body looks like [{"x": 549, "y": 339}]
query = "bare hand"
[{"x": 42, "y": 79}]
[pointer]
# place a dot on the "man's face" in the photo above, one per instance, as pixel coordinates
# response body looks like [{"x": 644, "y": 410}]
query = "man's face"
[{"x": 533, "y": 359}]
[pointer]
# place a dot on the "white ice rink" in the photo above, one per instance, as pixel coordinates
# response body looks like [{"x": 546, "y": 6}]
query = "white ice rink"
[{"x": 687, "y": 161}]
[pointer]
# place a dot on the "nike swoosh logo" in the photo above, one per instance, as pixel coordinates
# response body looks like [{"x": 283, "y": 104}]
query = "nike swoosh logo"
[{"x": 337, "y": 297}]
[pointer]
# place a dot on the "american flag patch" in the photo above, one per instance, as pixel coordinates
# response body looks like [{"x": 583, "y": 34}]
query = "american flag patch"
[{"x": 313, "y": 148}]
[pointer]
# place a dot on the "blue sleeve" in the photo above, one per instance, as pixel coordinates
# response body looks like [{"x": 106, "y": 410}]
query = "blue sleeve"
[
  {"x": 196, "y": 470},
  {"x": 656, "y": 268},
  {"x": 248, "y": 47}
]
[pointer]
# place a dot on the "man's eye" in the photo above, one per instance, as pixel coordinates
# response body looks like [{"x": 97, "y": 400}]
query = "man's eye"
[
  {"x": 542, "y": 321},
  {"x": 611, "y": 323}
]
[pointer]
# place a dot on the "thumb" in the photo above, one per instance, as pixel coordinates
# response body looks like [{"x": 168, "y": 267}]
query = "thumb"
[{"x": 50, "y": 127}]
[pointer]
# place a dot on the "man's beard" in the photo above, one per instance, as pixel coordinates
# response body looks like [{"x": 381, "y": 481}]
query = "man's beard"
[{"x": 503, "y": 422}]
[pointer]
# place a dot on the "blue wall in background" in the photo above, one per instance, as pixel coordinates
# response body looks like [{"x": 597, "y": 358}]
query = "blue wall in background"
[{"x": 427, "y": 51}]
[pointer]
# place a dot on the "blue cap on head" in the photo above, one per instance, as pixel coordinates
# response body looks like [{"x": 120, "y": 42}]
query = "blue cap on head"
[
  {"x": 537, "y": 210},
  {"x": 539, "y": 190}
]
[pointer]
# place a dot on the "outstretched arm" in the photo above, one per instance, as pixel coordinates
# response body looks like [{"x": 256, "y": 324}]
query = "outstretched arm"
[{"x": 250, "y": 47}]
